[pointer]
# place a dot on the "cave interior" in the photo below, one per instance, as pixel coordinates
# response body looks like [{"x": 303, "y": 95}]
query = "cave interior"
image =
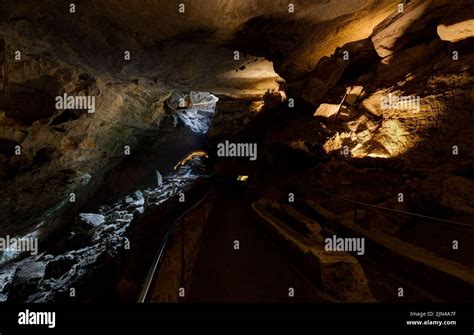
[{"x": 268, "y": 151}]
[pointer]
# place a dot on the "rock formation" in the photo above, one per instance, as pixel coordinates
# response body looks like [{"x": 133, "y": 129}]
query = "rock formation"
[{"x": 382, "y": 81}]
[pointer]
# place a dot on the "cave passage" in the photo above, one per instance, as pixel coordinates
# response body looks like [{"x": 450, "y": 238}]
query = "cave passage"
[
  {"x": 144, "y": 180},
  {"x": 236, "y": 151}
]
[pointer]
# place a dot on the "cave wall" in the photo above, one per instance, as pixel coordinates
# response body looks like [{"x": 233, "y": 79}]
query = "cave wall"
[{"x": 83, "y": 53}]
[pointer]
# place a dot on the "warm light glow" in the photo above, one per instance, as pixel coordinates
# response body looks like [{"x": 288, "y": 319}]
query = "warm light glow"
[
  {"x": 456, "y": 31},
  {"x": 378, "y": 155},
  {"x": 190, "y": 156},
  {"x": 255, "y": 78},
  {"x": 242, "y": 178},
  {"x": 391, "y": 139}
]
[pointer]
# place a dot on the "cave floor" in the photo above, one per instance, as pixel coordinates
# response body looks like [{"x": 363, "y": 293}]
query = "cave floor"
[{"x": 258, "y": 271}]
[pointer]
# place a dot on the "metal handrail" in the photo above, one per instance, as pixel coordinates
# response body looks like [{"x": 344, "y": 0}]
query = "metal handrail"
[
  {"x": 397, "y": 211},
  {"x": 161, "y": 251}
]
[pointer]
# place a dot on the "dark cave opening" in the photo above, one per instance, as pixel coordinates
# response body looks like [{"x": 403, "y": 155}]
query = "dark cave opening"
[
  {"x": 29, "y": 106},
  {"x": 68, "y": 115}
]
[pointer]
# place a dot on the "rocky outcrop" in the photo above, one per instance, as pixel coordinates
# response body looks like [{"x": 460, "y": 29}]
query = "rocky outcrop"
[
  {"x": 70, "y": 151},
  {"x": 458, "y": 193},
  {"x": 324, "y": 77},
  {"x": 338, "y": 274},
  {"x": 402, "y": 27},
  {"x": 449, "y": 187},
  {"x": 87, "y": 56},
  {"x": 272, "y": 100},
  {"x": 418, "y": 20},
  {"x": 457, "y": 27},
  {"x": 348, "y": 62},
  {"x": 327, "y": 111},
  {"x": 353, "y": 94},
  {"x": 397, "y": 65},
  {"x": 27, "y": 277},
  {"x": 94, "y": 241},
  {"x": 397, "y": 119}
]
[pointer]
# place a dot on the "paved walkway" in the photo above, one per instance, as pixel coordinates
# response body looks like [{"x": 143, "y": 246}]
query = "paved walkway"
[{"x": 258, "y": 272}]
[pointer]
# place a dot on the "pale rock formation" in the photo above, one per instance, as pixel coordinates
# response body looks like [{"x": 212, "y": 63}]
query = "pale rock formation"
[
  {"x": 457, "y": 27},
  {"x": 327, "y": 111},
  {"x": 353, "y": 94}
]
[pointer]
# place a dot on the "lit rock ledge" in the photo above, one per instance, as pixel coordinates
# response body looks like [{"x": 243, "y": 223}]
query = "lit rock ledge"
[{"x": 337, "y": 273}]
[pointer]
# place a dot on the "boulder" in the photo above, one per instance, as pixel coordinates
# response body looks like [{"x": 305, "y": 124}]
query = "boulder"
[
  {"x": 391, "y": 139},
  {"x": 26, "y": 280},
  {"x": 373, "y": 103},
  {"x": 196, "y": 120},
  {"x": 423, "y": 20},
  {"x": 420, "y": 21},
  {"x": 59, "y": 266},
  {"x": 87, "y": 223},
  {"x": 458, "y": 194},
  {"x": 353, "y": 93},
  {"x": 347, "y": 113},
  {"x": 401, "y": 63},
  {"x": 138, "y": 200},
  {"x": 399, "y": 29},
  {"x": 360, "y": 124},
  {"x": 272, "y": 100},
  {"x": 7, "y": 274},
  {"x": 327, "y": 111},
  {"x": 457, "y": 27},
  {"x": 362, "y": 56},
  {"x": 91, "y": 219},
  {"x": 120, "y": 216},
  {"x": 324, "y": 77},
  {"x": 138, "y": 194},
  {"x": 139, "y": 210},
  {"x": 343, "y": 276}
]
